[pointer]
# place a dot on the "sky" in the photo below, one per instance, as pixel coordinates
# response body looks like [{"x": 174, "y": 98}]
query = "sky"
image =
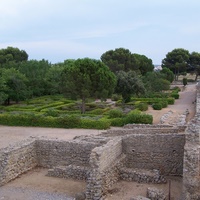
[{"x": 56, "y": 30}]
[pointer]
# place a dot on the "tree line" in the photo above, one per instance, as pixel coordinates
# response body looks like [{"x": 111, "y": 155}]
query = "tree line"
[{"x": 118, "y": 71}]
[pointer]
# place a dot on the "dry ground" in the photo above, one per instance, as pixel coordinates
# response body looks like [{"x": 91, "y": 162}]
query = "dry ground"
[{"x": 34, "y": 185}]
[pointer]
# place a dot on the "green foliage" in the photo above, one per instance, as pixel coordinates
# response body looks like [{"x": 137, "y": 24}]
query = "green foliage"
[
  {"x": 177, "y": 61},
  {"x": 129, "y": 83},
  {"x": 185, "y": 81},
  {"x": 164, "y": 104},
  {"x": 14, "y": 85},
  {"x": 157, "y": 106},
  {"x": 170, "y": 100},
  {"x": 95, "y": 124},
  {"x": 116, "y": 97},
  {"x": 11, "y": 54},
  {"x": 52, "y": 112},
  {"x": 115, "y": 113},
  {"x": 138, "y": 118},
  {"x": 86, "y": 78},
  {"x": 168, "y": 74},
  {"x": 122, "y": 59},
  {"x": 141, "y": 106},
  {"x": 98, "y": 111},
  {"x": 118, "y": 122},
  {"x": 156, "y": 82},
  {"x": 175, "y": 95}
]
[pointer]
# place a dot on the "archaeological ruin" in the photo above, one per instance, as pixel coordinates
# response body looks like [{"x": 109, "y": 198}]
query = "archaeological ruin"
[{"x": 140, "y": 153}]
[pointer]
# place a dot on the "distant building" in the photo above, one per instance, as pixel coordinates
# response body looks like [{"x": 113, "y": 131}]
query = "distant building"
[{"x": 157, "y": 67}]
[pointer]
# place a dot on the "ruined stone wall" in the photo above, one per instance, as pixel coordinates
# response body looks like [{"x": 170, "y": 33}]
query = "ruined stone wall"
[
  {"x": 63, "y": 153},
  {"x": 163, "y": 152},
  {"x": 127, "y": 131},
  {"x": 104, "y": 162},
  {"x": 191, "y": 168},
  {"x": 17, "y": 159}
]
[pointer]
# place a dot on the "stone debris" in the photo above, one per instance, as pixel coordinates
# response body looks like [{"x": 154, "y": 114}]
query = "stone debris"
[{"x": 156, "y": 194}]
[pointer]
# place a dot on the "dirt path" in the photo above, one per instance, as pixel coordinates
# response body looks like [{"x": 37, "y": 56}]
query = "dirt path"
[{"x": 186, "y": 101}]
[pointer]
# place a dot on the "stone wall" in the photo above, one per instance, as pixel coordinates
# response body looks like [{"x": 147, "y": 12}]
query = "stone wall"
[
  {"x": 52, "y": 153},
  {"x": 163, "y": 152},
  {"x": 139, "y": 131},
  {"x": 191, "y": 167},
  {"x": 17, "y": 159},
  {"x": 104, "y": 161}
]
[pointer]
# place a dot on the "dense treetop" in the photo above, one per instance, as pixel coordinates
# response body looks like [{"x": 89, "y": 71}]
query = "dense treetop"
[{"x": 119, "y": 71}]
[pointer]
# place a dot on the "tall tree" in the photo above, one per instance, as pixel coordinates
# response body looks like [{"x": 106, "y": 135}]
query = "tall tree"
[
  {"x": 36, "y": 72},
  {"x": 129, "y": 83},
  {"x": 168, "y": 74},
  {"x": 177, "y": 61},
  {"x": 155, "y": 82},
  {"x": 12, "y": 54},
  {"x": 195, "y": 63},
  {"x": 145, "y": 64},
  {"x": 15, "y": 82},
  {"x": 86, "y": 78},
  {"x": 120, "y": 59}
]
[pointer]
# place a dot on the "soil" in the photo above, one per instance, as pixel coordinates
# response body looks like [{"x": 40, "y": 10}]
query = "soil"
[{"x": 34, "y": 185}]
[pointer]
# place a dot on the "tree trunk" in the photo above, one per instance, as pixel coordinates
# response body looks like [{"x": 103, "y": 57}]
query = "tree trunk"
[
  {"x": 83, "y": 106},
  {"x": 196, "y": 76}
]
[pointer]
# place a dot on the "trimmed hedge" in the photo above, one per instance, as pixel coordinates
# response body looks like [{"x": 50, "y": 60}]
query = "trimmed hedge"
[
  {"x": 115, "y": 113},
  {"x": 71, "y": 121},
  {"x": 157, "y": 106}
]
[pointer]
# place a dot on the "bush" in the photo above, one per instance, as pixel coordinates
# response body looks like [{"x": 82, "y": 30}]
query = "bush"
[
  {"x": 175, "y": 95},
  {"x": 116, "y": 97},
  {"x": 138, "y": 118},
  {"x": 95, "y": 124},
  {"x": 157, "y": 106},
  {"x": 117, "y": 122},
  {"x": 142, "y": 106},
  {"x": 70, "y": 121},
  {"x": 115, "y": 113},
  {"x": 185, "y": 81},
  {"x": 164, "y": 104},
  {"x": 170, "y": 100},
  {"x": 52, "y": 112},
  {"x": 97, "y": 111}
]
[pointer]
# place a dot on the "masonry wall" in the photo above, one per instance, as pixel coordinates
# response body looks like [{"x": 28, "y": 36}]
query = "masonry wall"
[
  {"x": 152, "y": 151},
  {"x": 52, "y": 153},
  {"x": 16, "y": 160},
  {"x": 127, "y": 131},
  {"x": 191, "y": 167},
  {"x": 104, "y": 162}
]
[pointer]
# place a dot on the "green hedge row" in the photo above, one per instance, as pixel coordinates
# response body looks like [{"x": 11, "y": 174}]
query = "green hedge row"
[
  {"x": 132, "y": 118},
  {"x": 72, "y": 121}
]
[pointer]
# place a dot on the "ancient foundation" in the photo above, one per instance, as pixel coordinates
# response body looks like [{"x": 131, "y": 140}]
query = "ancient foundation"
[{"x": 142, "y": 153}]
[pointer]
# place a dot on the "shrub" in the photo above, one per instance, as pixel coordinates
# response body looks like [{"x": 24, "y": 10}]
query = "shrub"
[
  {"x": 185, "y": 81},
  {"x": 175, "y": 95},
  {"x": 170, "y": 100},
  {"x": 142, "y": 106},
  {"x": 164, "y": 104},
  {"x": 115, "y": 113},
  {"x": 117, "y": 122},
  {"x": 138, "y": 118},
  {"x": 115, "y": 97},
  {"x": 95, "y": 124},
  {"x": 97, "y": 111},
  {"x": 70, "y": 121},
  {"x": 52, "y": 112},
  {"x": 157, "y": 106}
]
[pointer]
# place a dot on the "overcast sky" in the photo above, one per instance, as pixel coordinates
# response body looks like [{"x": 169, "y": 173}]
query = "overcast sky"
[{"x": 57, "y": 30}]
